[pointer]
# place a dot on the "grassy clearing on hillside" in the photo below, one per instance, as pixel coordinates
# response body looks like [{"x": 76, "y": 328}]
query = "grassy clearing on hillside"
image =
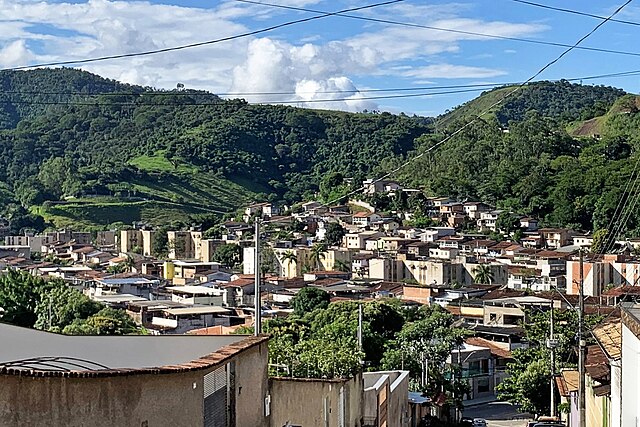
[
  {"x": 202, "y": 189},
  {"x": 159, "y": 163},
  {"x": 589, "y": 127},
  {"x": 95, "y": 215}
]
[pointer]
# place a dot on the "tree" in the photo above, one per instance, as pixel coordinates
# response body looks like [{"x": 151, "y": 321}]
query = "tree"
[
  {"x": 60, "y": 305},
  {"x": 507, "y": 222},
  {"x": 318, "y": 253},
  {"x": 600, "y": 241},
  {"x": 108, "y": 321},
  {"x": 529, "y": 375},
  {"x": 334, "y": 234},
  {"x": 289, "y": 257},
  {"x": 19, "y": 296},
  {"x": 309, "y": 299},
  {"x": 228, "y": 254},
  {"x": 160, "y": 243},
  {"x": 482, "y": 274},
  {"x": 342, "y": 266}
]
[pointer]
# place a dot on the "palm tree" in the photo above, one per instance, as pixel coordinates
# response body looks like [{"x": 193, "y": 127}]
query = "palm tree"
[
  {"x": 342, "y": 266},
  {"x": 482, "y": 273},
  {"x": 318, "y": 252},
  {"x": 289, "y": 257}
]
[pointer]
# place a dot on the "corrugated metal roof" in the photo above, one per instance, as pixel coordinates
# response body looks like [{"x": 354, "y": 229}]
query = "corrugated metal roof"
[{"x": 610, "y": 337}]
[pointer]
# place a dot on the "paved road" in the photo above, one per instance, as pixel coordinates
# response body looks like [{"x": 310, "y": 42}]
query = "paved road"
[{"x": 497, "y": 414}]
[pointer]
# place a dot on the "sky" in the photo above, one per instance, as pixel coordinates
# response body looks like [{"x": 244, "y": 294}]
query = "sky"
[{"x": 333, "y": 62}]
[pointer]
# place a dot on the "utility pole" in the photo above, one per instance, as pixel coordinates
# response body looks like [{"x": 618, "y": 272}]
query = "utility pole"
[
  {"x": 257, "y": 326},
  {"x": 360, "y": 327},
  {"x": 582, "y": 347},
  {"x": 552, "y": 352}
]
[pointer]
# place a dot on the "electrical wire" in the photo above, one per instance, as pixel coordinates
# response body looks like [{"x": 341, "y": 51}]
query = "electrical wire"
[
  {"x": 198, "y": 44},
  {"x": 139, "y": 95},
  {"x": 575, "y": 12},
  {"x": 487, "y": 86},
  {"x": 611, "y": 234},
  {"x": 488, "y": 109},
  {"x": 449, "y": 30},
  {"x": 222, "y": 103}
]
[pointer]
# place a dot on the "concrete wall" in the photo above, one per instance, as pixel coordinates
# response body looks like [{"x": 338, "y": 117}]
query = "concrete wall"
[
  {"x": 315, "y": 402},
  {"x": 252, "y": 386},
  {"x": 132, "y": 400},
  {"x": 616, "y": 393},
  {"x": 630, "y": 377},
  {"x": 597, "y": 407},
  {"x": 386, "y": 397},
  {"x": 158, "y": 400}
]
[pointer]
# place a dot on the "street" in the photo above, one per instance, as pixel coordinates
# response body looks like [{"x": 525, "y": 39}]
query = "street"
[{"x": 498, "y": 414}]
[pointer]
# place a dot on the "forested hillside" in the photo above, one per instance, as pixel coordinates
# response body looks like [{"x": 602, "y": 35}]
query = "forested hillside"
[
  {"x": 143, "y": 151},
  {"x": 535, "y": 166},
  {"x": 561, "y": 151},
  {"x": 564, "y": 101}
]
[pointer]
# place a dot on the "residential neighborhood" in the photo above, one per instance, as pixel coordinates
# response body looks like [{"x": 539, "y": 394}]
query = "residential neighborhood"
[{"x": 490, "y": 280}]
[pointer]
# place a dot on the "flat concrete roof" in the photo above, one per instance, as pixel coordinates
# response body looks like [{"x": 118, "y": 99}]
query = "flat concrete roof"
[
  {"x": 194, "y": 290},
  {"x": 196, "y": 309},
  {"x": 91, "y": 353}
]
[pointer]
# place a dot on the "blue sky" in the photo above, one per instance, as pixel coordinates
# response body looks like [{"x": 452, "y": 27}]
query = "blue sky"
[{"x": 305, "y": 61}]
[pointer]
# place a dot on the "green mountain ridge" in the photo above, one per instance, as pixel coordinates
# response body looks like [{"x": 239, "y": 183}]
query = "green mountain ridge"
[
  {"x": 186, "y": 147},
  {"x": 83, "y": 151}
]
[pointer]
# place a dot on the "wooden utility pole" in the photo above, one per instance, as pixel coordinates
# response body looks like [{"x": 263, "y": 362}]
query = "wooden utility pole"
[
  {"x": 552, "y": 352},
  {"x": 582, "y": 346},
  {"x": 257, "y": 326}
]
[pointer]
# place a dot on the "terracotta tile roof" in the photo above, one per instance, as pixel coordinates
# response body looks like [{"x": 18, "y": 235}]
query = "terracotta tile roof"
[
  {"x": 496, "y": 350},
  {"x": 562, "y": 387},
  {"x": 361, "y": 214},
  {"x": 238, "y": 283},
  {"x": 597, "y": 363},
  {"x": 211, "y": 360},
  {"x": 622, "y": 290},
  {"x": 571, "y": 380},
  {"x": 610, "y": 337}
]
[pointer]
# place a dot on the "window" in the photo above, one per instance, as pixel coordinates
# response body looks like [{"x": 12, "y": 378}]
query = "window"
[{"x": 483, "y": 385}]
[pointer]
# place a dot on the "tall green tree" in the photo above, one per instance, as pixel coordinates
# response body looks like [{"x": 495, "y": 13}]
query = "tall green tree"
[
  {"x": 20, "y": 293},
  {"x": 289, "y": 258},
  {"x": 60, "y": 305},
  {"x": 228, "y": 254},
  {"x": 308, "y": 299},
  {"x": 318, "y": 253},
  {"x": 334, "y": 234},
  {"x": 482, "y": 273}
]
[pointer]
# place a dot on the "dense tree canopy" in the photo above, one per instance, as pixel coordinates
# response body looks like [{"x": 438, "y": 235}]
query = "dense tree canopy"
[
  {"x": 308, "y": 299},
  {"x": 52, "y": 305}
]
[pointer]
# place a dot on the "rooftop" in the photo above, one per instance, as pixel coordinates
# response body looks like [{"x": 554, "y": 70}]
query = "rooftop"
[
  {"x": 194, "y": 290},
  {"x": 33, "y": 352},
  {"x": 610, "y": 337}
]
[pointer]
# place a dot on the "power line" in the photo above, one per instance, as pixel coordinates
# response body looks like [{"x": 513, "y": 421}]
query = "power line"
[
  {"x": 488, "y": 109},
  {"x": 575, "y": 12},
  {"x": 198, "y": 44},
  {"x": 202, "y": 93},
  {"x": 223, "y": 103},
  {"x": 142, "y": 94},
  {"x": 449, "y": 30}
]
